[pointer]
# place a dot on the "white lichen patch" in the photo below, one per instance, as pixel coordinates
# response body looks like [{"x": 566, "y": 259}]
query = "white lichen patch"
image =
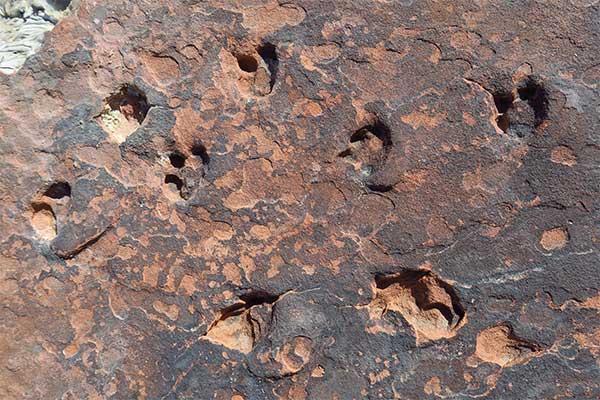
[
  {"x": 23, "y": 25},
  {"x": 110, "y": 118}
]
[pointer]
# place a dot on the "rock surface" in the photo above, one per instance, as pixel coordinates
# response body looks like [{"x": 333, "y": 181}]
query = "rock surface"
[{"x": 303, "y": 200}]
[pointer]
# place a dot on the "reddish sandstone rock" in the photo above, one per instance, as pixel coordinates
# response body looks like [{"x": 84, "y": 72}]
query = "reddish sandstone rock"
[{"x": 303, "y": 200}]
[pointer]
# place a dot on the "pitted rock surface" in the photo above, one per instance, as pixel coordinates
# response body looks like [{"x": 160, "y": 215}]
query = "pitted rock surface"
[{"x": 303, "y": 200}]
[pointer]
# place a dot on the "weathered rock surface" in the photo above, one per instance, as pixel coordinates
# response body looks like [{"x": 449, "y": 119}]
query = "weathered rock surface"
[{"x": 303, "y": 200}]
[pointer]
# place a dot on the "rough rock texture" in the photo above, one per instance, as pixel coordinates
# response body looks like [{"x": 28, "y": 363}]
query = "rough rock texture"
[{"x": 303, "y": 200}]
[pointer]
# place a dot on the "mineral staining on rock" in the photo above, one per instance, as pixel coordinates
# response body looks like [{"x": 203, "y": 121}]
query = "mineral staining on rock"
[{"x": 23, "y": 25}]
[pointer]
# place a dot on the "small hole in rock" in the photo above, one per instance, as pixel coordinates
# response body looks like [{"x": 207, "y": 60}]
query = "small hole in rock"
[
  {"x": 199, "y": 150},
  {"x": 368, "y": 152},
  {"x": 247, "y": 63},
  {"x": 345, "y": 153},
  {"x": 123, "y": 113},
  {"x": 359, "y": 135},
  {"x": 177, "y": 160},
  {"x": 378, "y": 129},
  {"x": 258, "y": 297},
  {"x": 59, "y": 5},
  {"x": 58, "y": 190},
  {"x": 381, "y": 188},
  {"x": 503, "y": 122},
  {"x": 503, "y": 103},
  {"x": 527, "y": 93},
  {"x": 535, "y": 95},
  {"x": 174, "y": 180},
  {"x": 131, "y": 102},
  {"x": 268, "y": 53}
]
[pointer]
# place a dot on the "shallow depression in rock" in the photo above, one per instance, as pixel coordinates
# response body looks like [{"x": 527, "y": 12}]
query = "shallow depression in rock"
[{"x": 123, "y": 113}]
